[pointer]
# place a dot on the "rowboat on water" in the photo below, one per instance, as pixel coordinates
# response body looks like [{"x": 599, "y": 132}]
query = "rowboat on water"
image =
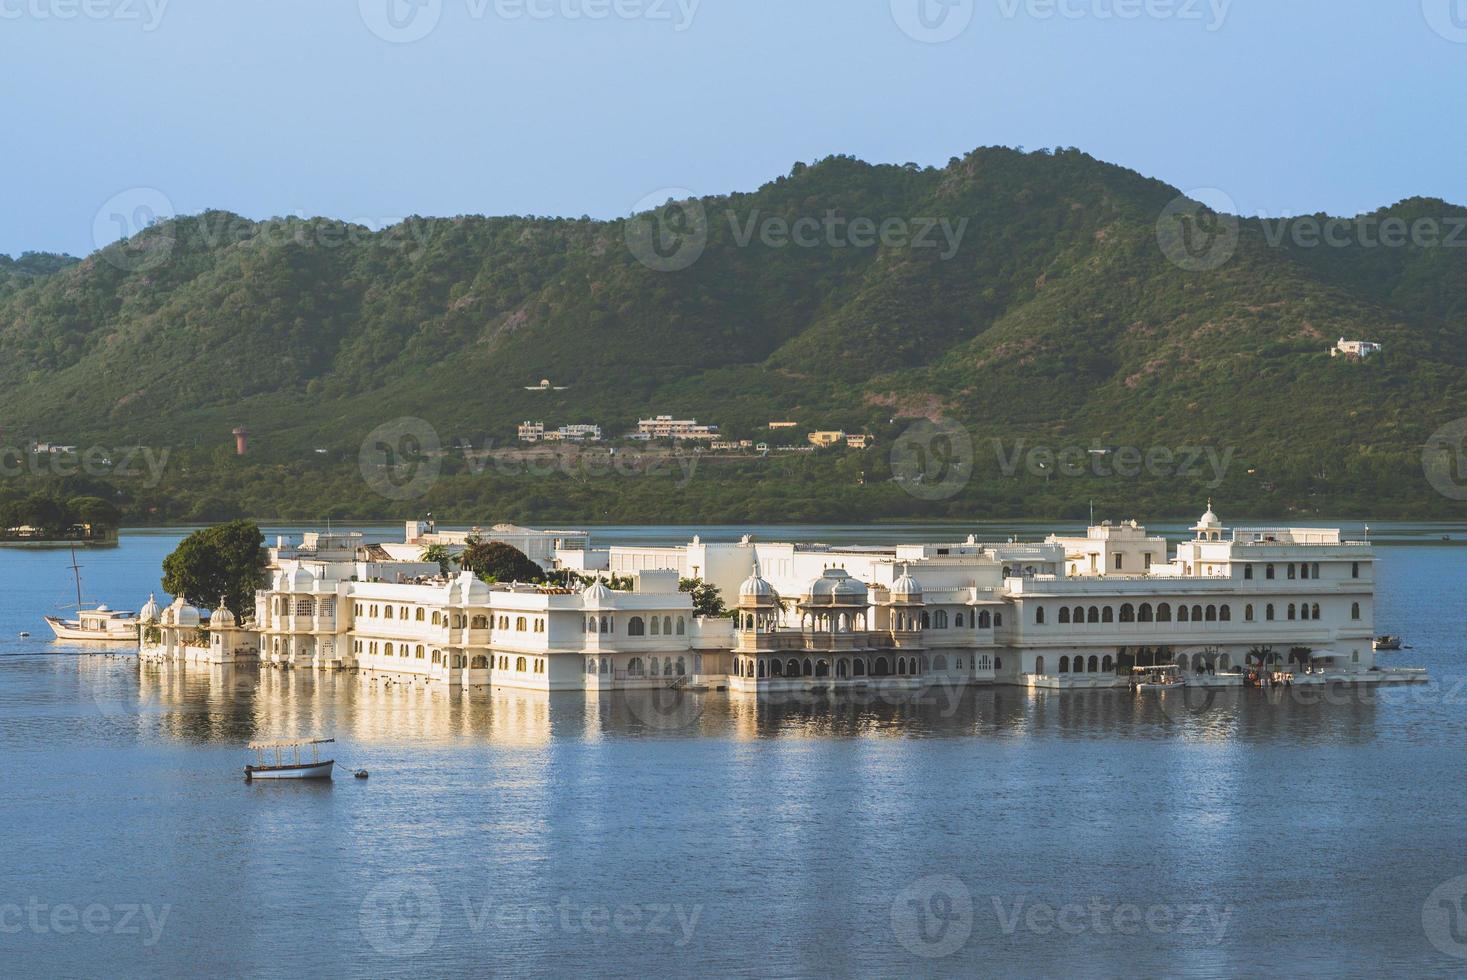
[{"x": 314, "y": 768}]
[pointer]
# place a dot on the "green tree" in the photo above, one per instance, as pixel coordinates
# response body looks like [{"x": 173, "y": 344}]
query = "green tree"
[
  {"x": 707, "y": 599},
  {"x": 441, "y": 554},
  {"x": 495, "y": 561},
  {"x": 94, "y": 511},
  {"x": 227, "y": 560}
]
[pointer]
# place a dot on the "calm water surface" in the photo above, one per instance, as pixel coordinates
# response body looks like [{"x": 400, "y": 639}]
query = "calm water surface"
[{"x": 989, "y": 832}]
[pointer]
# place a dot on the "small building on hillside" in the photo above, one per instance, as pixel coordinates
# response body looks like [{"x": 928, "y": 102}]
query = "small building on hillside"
[{"x": 1357, "y": 350}]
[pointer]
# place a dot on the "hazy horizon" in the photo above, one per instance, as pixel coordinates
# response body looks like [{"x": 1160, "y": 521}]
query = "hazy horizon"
[{"x": 377, "y": 110}]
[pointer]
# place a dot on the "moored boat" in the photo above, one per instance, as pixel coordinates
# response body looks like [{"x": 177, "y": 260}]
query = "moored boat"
[
  {"x": 313, "y": 768},
  {"x": 1387, "y": 642},
  {"x": 1161, "y": 678},
  {"x": 99, "y": 624}
]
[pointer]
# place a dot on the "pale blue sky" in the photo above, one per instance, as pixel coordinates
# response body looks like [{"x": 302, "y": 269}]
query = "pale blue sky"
[{"x": 296, "y": 106}]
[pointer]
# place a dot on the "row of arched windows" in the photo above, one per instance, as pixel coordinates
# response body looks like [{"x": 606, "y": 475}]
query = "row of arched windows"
[
  {"x": 1144, "y": 613},
  {"x": 637, "y": 626},
  {"x": 1094, "y": 665}
]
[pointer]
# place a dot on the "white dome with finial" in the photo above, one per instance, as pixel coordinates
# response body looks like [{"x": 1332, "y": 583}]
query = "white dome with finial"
[
  {"x": 222, "y": 618},
  {"x": 906, "y": 587},
  {"x": 756, "y": 588},
  {"x": 149, "y": 612},
  {"x": 597, "y": 596}
]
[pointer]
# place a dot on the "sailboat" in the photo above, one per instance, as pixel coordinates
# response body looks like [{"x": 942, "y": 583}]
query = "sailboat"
[{"x": 98, "y": 624}]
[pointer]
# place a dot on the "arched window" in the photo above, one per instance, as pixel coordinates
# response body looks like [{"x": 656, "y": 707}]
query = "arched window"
[
  {"x": 1107, "y": 615},
  {"x": 1248, "y": 612},
  {"x": 1183, "y": 615},
  {"x": 1212, "y": 614},
  {"x": 809, "y": 670},
  {"x": 1144, "y": 614},
  {"x": 1039, "y": 615},
  {"x": 667, "y": 667},
  {"x": 1064, "y": 667},
  {"x": 1268, "y": 572},
  {"x": 1225, "y": 613},
  {"x": 680, "y": 626},
  {"x": 1355, "y": 610},
  {"x": 939, "y": 619},
  {"x": 418, "y": 652},
  {"x": 1291, "y": 570},
  {"x": 520, "y": 624},
  {"x": 926, "y": 620},
  {"x": 634, "y": 666},
  {"x": 654, "y": 663},
  {"x": 606, "y": 624},
  {"x": 1197, "y": 614},
  {"x": 387, "y": 612},
  {"x": 985, "y": 621},
  {"x": 998, "y": 663},
  {"x": 682, "y": 667},
  {"x": 1128, "y": 613},
  {"x": 1078, "y": 615},
  {"x": 761, "y": 662},
  {"x": 1106, "y": 664},
  {"x": 1292, "y": 611},
  {"x": 822, "y": 668},
  {"x": 792, "y": 669},
  {"x": 1316, "y": 610},
  {"x": 387, "y": 650},
  {"x": 1268, "y": 612},
  {"x": 1039, "y": 665},
  {"x": 958, "y": 621},
  {"x": 1064, "y": 615},
  {"x": 1094, "y": 663},
  {"x": 418, "y": 615},
  {"x": 858, "y": 668},
  {"x": 1164, "y": 612},
  {"x": 997, "y": 620},
  {"x": 657, "y": 626},
  {"x": 636, "y": 627},
  {"x": 1248, "y": 571}
]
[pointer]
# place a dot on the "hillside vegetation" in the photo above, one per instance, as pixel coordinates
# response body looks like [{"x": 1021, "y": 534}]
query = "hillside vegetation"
[{"x": 1055, "y": 319}]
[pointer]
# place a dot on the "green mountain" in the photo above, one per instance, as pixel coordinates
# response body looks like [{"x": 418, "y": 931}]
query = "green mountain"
[{"x": 1038, "y": 300}]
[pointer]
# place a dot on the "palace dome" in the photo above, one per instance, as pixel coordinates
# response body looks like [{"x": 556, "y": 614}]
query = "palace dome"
[
  {"x": 906, "y": 587},
  {"x": 221, "y": 618},
  {"x": 149, "y": 612},
  {"x": 597, "y": 596},
  {"x": 835, "y": 585},
  {"x": 755, "y": 587}
]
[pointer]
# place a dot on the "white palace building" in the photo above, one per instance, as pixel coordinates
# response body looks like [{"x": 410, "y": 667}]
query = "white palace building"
[{"x": 1067, "y": 612}]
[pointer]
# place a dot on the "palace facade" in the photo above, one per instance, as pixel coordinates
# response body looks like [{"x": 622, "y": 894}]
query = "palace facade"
[{"x": 1065, "y": 612}]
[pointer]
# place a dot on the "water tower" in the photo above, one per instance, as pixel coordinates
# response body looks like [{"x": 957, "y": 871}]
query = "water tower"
[{"x": 241, "y": 441}]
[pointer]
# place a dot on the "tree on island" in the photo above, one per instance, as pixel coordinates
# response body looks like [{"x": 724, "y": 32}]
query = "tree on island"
[
  {"x": 707, "y": 599},
  {"x": 495, "y": 561},
  {"x": 56, "y": 516},
  {"x": 227, "y": 560}
]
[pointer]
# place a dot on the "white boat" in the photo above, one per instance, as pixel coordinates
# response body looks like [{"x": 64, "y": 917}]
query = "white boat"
[
  {"x": 1162, "y": 678},
  {"x": 314, "y": 768},
  {"x": 98, "y": 624}
]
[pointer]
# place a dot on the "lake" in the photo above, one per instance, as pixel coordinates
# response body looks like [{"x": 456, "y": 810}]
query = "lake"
[{"x": 987, "y": 831}]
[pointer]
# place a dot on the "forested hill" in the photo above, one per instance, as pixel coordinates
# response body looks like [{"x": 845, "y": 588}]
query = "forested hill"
[{"x": 1024, "y": 295}]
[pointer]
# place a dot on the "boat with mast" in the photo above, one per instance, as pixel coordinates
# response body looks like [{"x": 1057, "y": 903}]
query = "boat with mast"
[{"x": 97, "y": 624}]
